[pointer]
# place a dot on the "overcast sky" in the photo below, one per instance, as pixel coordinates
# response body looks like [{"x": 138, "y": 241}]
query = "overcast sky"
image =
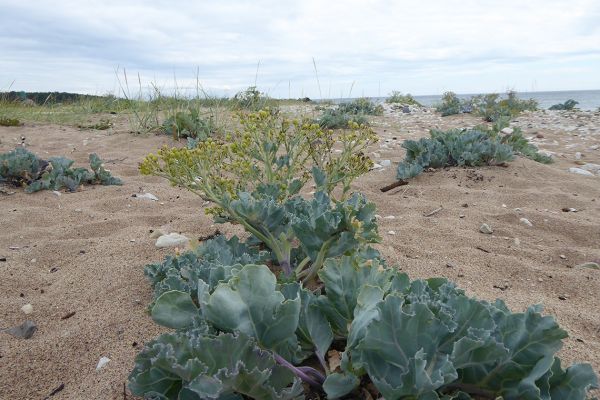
[{"x": 363, "y": 47}]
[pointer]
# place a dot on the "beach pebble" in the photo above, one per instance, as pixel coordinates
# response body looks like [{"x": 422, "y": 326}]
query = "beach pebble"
[
  {"x": 580, "y": 171},
  {"x": 56, "y": 192},
  {"x": 526, "y": 221},
  {"x": 147, "y": 196},
  {"x": 155, "y": 234},
  {"x": 27, "y": 309},
  {"x": 391, "y": 232},
  {"x": 594, "y": 168},
  {"x": 25, "y": 330},
  {"x": 172, "y": 240},
  {"x": 386, "y": 163},
  {"x": 578, "y": 155},
  {"x": 517, "y": 242},
  {"x": 389, "y": 217},
  {"x": 103, "y": 361},
  {"x": 562, "y": 256},
  {"x": 507, "y": 131},
  {"x": 377, "y": 166},
  {"x": 485, "y": 228}
]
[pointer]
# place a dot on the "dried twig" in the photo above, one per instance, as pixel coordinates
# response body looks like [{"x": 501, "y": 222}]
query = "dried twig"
[
  {"x": 432, "y": 213},
  {"x": 394, "y": 185}
]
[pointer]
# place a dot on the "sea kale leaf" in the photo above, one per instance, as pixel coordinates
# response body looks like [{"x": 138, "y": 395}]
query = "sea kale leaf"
[{"x": 192, "y": 365}]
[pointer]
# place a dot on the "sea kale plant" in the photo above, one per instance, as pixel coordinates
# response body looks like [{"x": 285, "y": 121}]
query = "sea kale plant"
[
  {"x": 467, "y": 147},
  {"x": 452, "y": 105},
  {"x": 338, "y": 322},
  {"x": 397, "y": 97},
  {"x": 567, "y": 105},
  {"x": 366, "y": 332},
  {"x": 189, "y": 124},
  {"x": 347, "y": 114},
  {"x": 20, "y": 167},
  {"x": 254, "y": 178},
  {"x": 491, "y": 107}
]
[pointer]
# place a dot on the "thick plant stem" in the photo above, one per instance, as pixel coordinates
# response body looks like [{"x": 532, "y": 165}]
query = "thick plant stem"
[{"x": 307, "y": 374}]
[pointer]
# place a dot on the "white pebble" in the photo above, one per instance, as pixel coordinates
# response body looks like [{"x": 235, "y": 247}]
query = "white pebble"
[
  {"x": 526, "y": 221},
  {"x": 391, "y": 232},
  {"x": 27, "y": 308},
  {"x": 103, "y": 361}
]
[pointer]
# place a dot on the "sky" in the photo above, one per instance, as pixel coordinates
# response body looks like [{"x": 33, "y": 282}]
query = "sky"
[{"x": 317, "y": 49}]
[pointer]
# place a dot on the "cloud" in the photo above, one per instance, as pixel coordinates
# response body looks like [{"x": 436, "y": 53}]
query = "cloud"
[{"x": 371, "y": 46}]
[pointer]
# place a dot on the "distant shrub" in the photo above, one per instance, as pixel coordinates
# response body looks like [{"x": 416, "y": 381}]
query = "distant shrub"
[
  {"x": 491, "y": 108},
  {"x": 336, "y": 119},
  {"x": 362, "y": 106},
  {"x": 252, "y": 99},
  {"x": 452, "y": 105},
  {"x": 189, "y": 125},
  {"x": 399, "y": 98},
  {"x": 20, "y": 167},
  {"x": 567, "y": 105},
  {"x": 466, "y": 147},
  {"x": 5, "y": 121}
]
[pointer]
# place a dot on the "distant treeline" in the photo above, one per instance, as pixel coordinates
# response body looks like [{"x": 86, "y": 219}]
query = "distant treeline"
[{"x": 45, "y": 97}]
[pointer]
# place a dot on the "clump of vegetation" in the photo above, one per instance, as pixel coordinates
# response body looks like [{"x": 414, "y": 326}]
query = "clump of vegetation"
[
  {"x": 252, "y": 99},
  {"x": 466, "y": 147},
  {"x": 101, "y": 125},
  {"x": 346, "y": 114},
  {"x": 20, "y": 167},
  {"x": 452, "y": 105},
  {"x": 489, "y": 106},
  {"x": 306, "y": 307},
  {"x": 6, "y": 121},
  {"x": 492, "y": 108},
  {"x": 362, "y": 106},
  {"x": 567, "y": 105},
  {"x": 399, "y": 98},
  {"x": 333, "y": 118},
  {"x": 189, "y": 125}
]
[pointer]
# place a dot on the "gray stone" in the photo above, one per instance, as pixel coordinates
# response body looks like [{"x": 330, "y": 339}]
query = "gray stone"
[
  {"x": 580, "y": 171},
  {"x": 25, "y": 330},
  {"x": 172, "y": 240},
  {"x": 485, "y": 228}
]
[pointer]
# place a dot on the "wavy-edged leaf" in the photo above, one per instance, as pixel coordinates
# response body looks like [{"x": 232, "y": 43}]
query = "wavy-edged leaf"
[
  {"x": 250, "y": 303},
  {"x": 175, "y": 310},
  {"x": 193, "y": 366}
]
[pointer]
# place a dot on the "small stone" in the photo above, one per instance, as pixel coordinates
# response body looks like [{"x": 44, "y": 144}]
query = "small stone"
[
  {"x": 103, "y": 361},
  {"x": 2, "y": 259},
  {"x": 78, "y": 210},
  {"x": 132, "y": 240},
  {"x": 526, "y": 221},
  {"x": 389, "y": 217},
  {"x": 57, "y": 193},
  {"x": 517, "y": 209},
  {"x": 172, "y": 240},
  {"x": 562, "y": 297},
  {"x": 580, "y": 171},
  {"x": 147, "y": 196},
  {"x": 540, "y": 280},
  {"x": 578, "y": 156},
  {"x": 569, "y": 209},
  {"x": 591, "y": 265},
  {"x": 27, "y": 309},
  {"x": 450, "y": 265},
  {"x": 33, "y": 260},
  {"x": 377, "y": 166},
  {"x": 386, "y": 163},
  {"x": 461, "y": 215},
  {"x": 156, "y": 234},
  {"x": 485, "y": 228},
  {"x": 25, "y": 330},
  {"x": 539, "y": 135},
  {"x": 503, "y": 205},
  {"x": 391, "y": 232},
  {"x": 563, "y": 256},
  {"x": 507, "y": 131},
  {"x": 517, "y": 242}
]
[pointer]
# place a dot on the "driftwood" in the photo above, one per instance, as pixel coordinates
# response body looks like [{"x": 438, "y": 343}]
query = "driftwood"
[{"x": 394, "y": 185}]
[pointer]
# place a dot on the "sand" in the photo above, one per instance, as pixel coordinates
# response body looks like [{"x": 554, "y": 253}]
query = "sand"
[{"x": 84, "y": 252}]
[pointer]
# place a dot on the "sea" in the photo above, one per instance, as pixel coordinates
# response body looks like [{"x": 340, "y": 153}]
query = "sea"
[{"x": 588, "y": 99}]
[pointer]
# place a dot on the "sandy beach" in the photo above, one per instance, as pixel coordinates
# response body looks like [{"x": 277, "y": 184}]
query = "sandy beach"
[{"x": 78, "y": 258}]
